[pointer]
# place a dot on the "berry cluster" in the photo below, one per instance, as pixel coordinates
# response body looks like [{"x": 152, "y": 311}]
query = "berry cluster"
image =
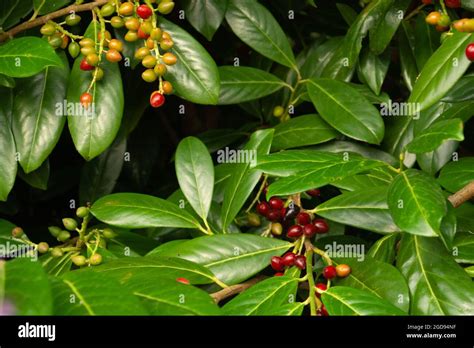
[{"x": 289, "y": 259}]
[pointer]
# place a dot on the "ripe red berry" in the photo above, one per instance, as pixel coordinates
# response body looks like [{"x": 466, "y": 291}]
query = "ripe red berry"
[
  {"x": 183, "y": 280},
  {"x": 276, "y": 203},
  {"x": 274, "y": 215},
  {"x": 144, "y": 11},
  {"x": 288, "y": 259},
  {"x": 309, "y": 230},
  {"x": 453, "y": 3},
  {"x": 329, "y": 272},
  {"x": 85, "y": 66},
  {"x": 276, "y": 263},
  {"x": 470, "y": 52},
  {"x": 86, "y": 99},
  {"x": 321, "y": 226},
  {"x": 295, "y": 231},
  {"x": 303, "y": 218},
  {"x": 314, "y": 192},
  {"x": 157, "y": 99},
  {"x": 142, "y": 35},
  {"x": 322, "y": 287},
  {"x": 263, "y": 208},
  {"x": 279, "y": 274},
  {"x": 300, "y": 262}
]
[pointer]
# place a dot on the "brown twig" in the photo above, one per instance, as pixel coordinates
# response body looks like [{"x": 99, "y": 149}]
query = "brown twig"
[
  {"x": 463, "y": 195},
  {"x": 44, "y": 19},
  {"x": 235, "y": 289}
]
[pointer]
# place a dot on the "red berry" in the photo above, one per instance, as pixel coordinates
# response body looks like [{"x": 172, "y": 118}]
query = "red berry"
[
  {"x": 276, "y": 263},
  {"x": 183, "y": 280},
  {"x": 320, "y": 286},
  {"x": 274, "y": 215},
  {"x": 303, "y": 218},
  {"x": 470, "y": 52},
  {"x": 427, "y": 2},
  {"x": 309, "y": 230},
  {"x": 142, "y": 35},
  {"x": 322, "y": 312},
  {"x": 86, "y": 99},
  {"x": 329, "y": 272},
  {"x": 314, "y": 192},
  {"x": 144, "y": 11},
  {"x": 279, "y": 274},
  {"x": 86, "y": 66},
  {"x": 276, "y": 203},
  {"x": 157, "y": 99},
  {"x": 288, "y": 259},
  {"x": 295, "y": 231},
  {"x": 300, "y": 262},
  {"x": 453, "y": 3},
  {"x": 321, "y": 225},
  {"x": 263, "y": 208}
]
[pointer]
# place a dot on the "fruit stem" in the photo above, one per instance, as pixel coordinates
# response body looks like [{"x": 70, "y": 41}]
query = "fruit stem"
[
  {"x": 443, "y": 7},
  {"x": 309, "y": 274},
  {"x": 65, "y": 32},
  {"x": 83, "y": 229},
  {"x": 257, "y": 196}
]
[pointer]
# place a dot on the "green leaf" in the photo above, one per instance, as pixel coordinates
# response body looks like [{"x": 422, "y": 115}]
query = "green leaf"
[
  {"x": 435, "y": 135},
  {"x": 90, "y": 293},
  {"x": 362, "y": 181},
  {"x": 384, "y": 249},
  {"x": 257, "y": 27},
  {"x": 48, "y": 6},
  {"x": 27, "y": 56},
  {"x": 372, "y": 276},
  {"x": 195, "y": 172},
  {"x": 463, "y": 248},
  {"x": 39, "y": 178},
  {"x": 232, "y": 258},
  {"x": 94, "y": 129},
  {"x": 302, "y": 131},
  {"x": 216, "y": 139},
  {"x": 99, "y": 176},
  {"x": 155, "y": 268},
  {"x": 427, "y": 41},
  {"x": 431, "y": 274},
  {"x": 134, "y": 210},
  {"x": 406, "y": 40},
  {"x": 442, "y": 71},
  {"x": 319, "y": 57},
  {"x": 366, "y": 209},
  {"x": 462, "y": 91},
  {"x": 241, "y": 183},
  {"x": 205, "y": 16},
  {"x": 373, "y": 69},
  {"x": 383, "y": 32},
  {"x": 431, "y": 162},
  {"x": 38, "y": 117},
  {"x": 342, "y": 300},
  {"x": 399, "y": 133},
  {"x": 416, "y": 203},
  {"x": 467, "y": 4},
  {"x": 24, "y": 286},
  {"x": 343, "y": 62},
  {"x": 8, "y": 168},
  {"x": 6, "y": 81},
  {"x": 195, "y": 76},
  {"x": 289, "y": 309},
  {"x": 241, "y": 84},
  {"x": 264, "y": 297},
  {"x": 347, "y": 12},
  {"x": 465, "y": 217},
  {"x": 457, "y": 174},
  {"x": 346, "y": 110}
]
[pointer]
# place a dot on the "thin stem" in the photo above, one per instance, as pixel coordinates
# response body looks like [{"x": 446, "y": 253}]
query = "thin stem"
[
  {"x": 309, "y": 273},
  {"x": 443, "y": 7},
  {"x": 257, "y": 196}
]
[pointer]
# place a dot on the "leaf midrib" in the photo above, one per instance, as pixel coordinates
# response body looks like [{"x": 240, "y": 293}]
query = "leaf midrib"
[
  {"x": 251, "y": 254},
  {"x": 79, "y": 296}
]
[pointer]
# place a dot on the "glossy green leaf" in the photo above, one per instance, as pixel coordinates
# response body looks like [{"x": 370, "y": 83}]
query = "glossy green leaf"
[
  {"x": 205, "y": 16},
  {"x": 343, "y": 62},
  {"x": 457, "y": 174},
  {"x": 16, "y": 10},
  {"x": 465, "y": 217},
  {"x": 94, "y": 129},
  {"x": 24, "y": 288},
  {"x": 442, "y": 71},
  {"x": 431, "y": 274},
  {"x": 462, "y": 91},
  {"x": 99, "y": 176},
  {"x": 399, "y": 133},
  {"x": 289, "y": 309},
  {"x": 416, "y": 203},
  {"x": 373, "y": 69},
  {"x": 385, "y": 248},
  {"x": 468, "y": 4},
  {"x": 449, "y": 227},
  {"x": 91, "y": 293},
  {"x": 264, "y": 297},
  {"x": 320, "y": 57},
  {"x": 195, "y": 172},
  {"x": 431, "y": 162},
  {"x": 7, "y": 81},
  {"x": 257, "y": 27},
  {"x": 346, "y": 110},
  {"x": 381, "y": 35},
  {"x": 463, "y": 248},
  {"x": 347, "y": 12},
  {"x": 373, "y": 276},
  {"x": 366, "y": 209},
  {"x": 47, "y": 6},
  {"x": 435, "y": 135},
  {"x": 241, "y": 183},
  {"x": 232, "y": 258},
  {"x": 39, "y": 178},
  {"x": 27, "y": 56},
  {"x": 134, "y": 210},
  {"x": 241, "y": 84},
  {"x": 406, "y": 41},
  {"x": 7, "y": 144},
  {"x": 342, "y": 300},
  {"x": 362, "y": 181},
  {"x": 302, "y": 131},
  {"x": 427, "y": 40},
  {"x": 195, "y": 76},
  {"x": 38, "y": 114}
]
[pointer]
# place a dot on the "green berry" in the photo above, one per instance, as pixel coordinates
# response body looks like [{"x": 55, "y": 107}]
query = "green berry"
[
  {"x": 165, "y": 7},
  {"x": 82, "y": 212},
  {"x": 74, "y": 49},
  {"x": 64, "y": 236},
  {"x": 17, "y": 232},
  {"x": 54, "y": 230},
  {"x": 107, "y": 10},
  {"x": 55, "y": 41},
  {"x": 278, "y": 111},
  {"x": 149, "y": 75},
  {"x": 78, "y": 260},
  {"x": 444, "y": 20},
  {"x": 109, "y": 233},
  {"x": 253, "y": 219},
  {"x": 73, "y": 19},
  {"x": 95, "y": 259},
  {"x": 56, "y": 252},
  {"x": 43, "y": 247},
  {"x": 70, "y": 224},
  {"x": 117, "y": 22},
  {"x": 48, "y": 29}
]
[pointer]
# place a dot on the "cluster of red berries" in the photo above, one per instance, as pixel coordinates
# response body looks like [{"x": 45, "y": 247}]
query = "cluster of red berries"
[{"x": 288, "y": 260}]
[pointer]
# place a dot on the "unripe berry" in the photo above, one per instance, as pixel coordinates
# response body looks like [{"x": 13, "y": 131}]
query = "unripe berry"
[
  {"x": 109, "y": 233},
  {"x": 169, "y": 58},
  {"x": 92, "y": 59},
  {"x": 444, "y": 20},
  {"x": 141, "y": 53},
  {"x": 115, "y": 44},
  {"x": 98, "y": 73},
  {"x": 95, "y": 259},
  {"x": 73, "y": 19},
  {"x": 146, "y": 27},
  {"x": 86, "y": 42},
  {"x": 64, "y": 236},
  {"x": 108, "y": 36},
  {"x": 343, "y": 270},
  {"x": 117, "y": 22},
  {"x": 82, "y": 212},
  {"x": 167, "y": 88},
  {"x": 329, "y": 272},
  {"x": 149, "y": 76},
  {"x": 142, "y": 35},
  {"x": 17, "y": 232},
  {"x": 48, "y": 29},
  {"x": 165, "y": 7},
  {"x": 433, "y": 18},
  {"x": 156, "y": 34},
  {"x": 131, "y": 36},
  {"x": 166, "y": 44},
  {"x": 43, "y": 247},
  {"x": 149, "y": 62},
  {"x": 113, "y": 56},
  {"x": 126, "y": 9},
  {"x": 56, "y": 252},
  {"x": 55, "y": 41},
  {"x": 74, "y": 49},
  {"x": 276, "y": 263},
  {"x": 276, "y": 229},
  {"x": 278, "y": 111},
  {"x": 107, "y": 10},
  {"x": 132, "y": 24},
  {"x": 253, "y": 220},
  {"x": 78, "y": 260},
  {"x": 54, "y": 230}
]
